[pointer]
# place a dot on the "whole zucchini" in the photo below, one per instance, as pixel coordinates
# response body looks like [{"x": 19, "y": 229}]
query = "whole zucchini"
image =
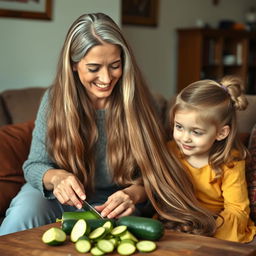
[
  {"x": 68, "y": 224},
  {"x": 86, "y": 215},
  {"x": 142, "y": 227}
]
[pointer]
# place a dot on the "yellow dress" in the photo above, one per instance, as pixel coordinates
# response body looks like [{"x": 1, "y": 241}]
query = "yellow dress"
[{"x": 228, "y": 197}]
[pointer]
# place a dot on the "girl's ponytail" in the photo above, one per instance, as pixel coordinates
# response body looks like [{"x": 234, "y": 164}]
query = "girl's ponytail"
[{"x": 235, "y": 88}]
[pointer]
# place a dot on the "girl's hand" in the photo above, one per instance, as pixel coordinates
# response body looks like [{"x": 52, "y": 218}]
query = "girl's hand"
[
  {"x": 122, "y": 202},
  {"x": 118, "y": 204},
  {"x": 66, "y": 187}
]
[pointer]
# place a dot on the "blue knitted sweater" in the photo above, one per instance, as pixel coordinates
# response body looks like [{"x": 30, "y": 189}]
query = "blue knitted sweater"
[{"x": 39, "y": 162}]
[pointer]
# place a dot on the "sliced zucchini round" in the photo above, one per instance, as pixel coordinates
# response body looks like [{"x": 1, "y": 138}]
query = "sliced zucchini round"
[
  {"x": 79, "y": 229},
  {"x": 129, "y": 241},
  {"x": 126, "y": 248},
  {"x": 83, "y": 244},
  {"x": 54, "y": 236},
  {"x": 108, "y": 225},
  {"x": 128, "y": 235},
  {"x": 105, "y": 245},
  {"x": 119, "y": 230},
  {"x": 146, "y": 246},
  {"x": 97, "y": 233},
  {"x": 114, "y": 241},
  {"x": 99, "y": 223},
  {"x": 95, "y": 251}
]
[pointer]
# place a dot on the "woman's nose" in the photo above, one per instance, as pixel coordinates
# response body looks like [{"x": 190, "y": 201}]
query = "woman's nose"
[{"x": 105, "y": 76}]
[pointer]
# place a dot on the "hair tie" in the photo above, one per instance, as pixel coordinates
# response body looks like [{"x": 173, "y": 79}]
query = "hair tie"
[{"x": 224, "y": 87}]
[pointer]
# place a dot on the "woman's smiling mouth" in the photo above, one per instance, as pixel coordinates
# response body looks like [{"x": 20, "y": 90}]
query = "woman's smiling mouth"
[{"x": 103, "y": 86}]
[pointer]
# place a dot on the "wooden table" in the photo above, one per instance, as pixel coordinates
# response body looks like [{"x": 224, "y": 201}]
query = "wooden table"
[{"x": 172, "y": 244}]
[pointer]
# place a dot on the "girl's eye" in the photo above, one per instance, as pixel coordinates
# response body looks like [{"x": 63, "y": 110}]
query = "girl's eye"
[
  {"x": 178, "y": 127},
  {"x": 197, "y": 133}
]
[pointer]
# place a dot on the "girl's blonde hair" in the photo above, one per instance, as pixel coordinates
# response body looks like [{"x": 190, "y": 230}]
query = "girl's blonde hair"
[
  {"x": 217, "y": 103},
  {"x": 135, "y": 137}
]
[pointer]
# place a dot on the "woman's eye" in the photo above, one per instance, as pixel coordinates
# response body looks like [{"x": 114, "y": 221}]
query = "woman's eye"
[
  {"x": 93, "y": 70},
  {"x": 115, "y": 66}
]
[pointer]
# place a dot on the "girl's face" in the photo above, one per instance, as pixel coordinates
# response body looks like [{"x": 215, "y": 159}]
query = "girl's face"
[
  {"x": 99, "y": 72},
  {"x": 193, "y": 136}
]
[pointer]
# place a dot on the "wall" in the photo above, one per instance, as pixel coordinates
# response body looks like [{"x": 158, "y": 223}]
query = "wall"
[
  {"x": 29, "y": 49},
  {"x": 156, "y": 47}
]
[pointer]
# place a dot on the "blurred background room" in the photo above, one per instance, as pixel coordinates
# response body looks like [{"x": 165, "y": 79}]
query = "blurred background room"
[{"x": 158, "y": 30}]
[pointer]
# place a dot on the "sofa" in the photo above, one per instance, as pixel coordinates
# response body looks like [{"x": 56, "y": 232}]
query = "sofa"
[{"x": 18, "y": 108}]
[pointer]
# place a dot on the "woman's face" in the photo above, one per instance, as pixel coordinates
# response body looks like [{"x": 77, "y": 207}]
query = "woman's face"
[{"x": 99, "y": 72}]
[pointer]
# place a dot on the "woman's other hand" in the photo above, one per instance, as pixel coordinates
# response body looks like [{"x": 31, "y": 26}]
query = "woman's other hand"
[
  {"x": 122, "y": 202},
  {"x": 65, "y": 186}
]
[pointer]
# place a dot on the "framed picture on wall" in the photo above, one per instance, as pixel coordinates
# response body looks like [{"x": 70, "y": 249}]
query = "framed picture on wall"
[
  {"x": 26, "y": 9},
  {"x": 140, "y": 12}
]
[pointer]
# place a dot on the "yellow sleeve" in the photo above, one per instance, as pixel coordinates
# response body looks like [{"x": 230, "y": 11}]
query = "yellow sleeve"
[{"x": 237, "y": 225}]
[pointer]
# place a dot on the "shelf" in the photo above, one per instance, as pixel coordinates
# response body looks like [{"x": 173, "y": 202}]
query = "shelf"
[{"x": 214, "y": 53}]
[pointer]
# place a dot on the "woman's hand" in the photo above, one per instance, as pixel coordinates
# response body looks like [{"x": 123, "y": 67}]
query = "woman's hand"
[
  {"x": 122, "y": 202},
  {"x": 118, "y": 204},
  {"x": 66, "y": 187}
]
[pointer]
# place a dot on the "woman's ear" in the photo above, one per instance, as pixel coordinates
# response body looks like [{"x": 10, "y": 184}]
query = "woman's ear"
[{"x": 223, "y": 132}]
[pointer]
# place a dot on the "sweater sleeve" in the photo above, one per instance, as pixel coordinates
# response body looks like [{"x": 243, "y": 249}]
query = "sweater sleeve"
[
  {"x": 38, "y": 161},
  {"x": 236, "y": 225}
]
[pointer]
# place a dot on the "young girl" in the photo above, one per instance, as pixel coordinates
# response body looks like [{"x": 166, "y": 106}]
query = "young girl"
[{"x": 205, "y": 140}]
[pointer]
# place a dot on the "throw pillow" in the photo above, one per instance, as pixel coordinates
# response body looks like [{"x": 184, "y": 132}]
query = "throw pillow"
[
  {"x": 15, "y": 140},
  {"x": 251, "y": 173}
]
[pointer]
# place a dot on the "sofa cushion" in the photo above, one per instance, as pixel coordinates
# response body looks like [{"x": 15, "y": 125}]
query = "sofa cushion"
[
  {"x": 251, "y": 173},
  {"x": 15, "y": 144},
  {"x": 21, "y": 105}
]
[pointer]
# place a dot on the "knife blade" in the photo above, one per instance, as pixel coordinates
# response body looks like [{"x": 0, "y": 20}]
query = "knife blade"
[{"x": 88, "y": 207}]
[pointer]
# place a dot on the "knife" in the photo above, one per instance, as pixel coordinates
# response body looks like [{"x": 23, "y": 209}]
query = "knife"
[{"x": 88, "y": 207}]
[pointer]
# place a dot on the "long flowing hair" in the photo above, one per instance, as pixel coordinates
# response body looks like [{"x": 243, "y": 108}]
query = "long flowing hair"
[
  {"x": 217, "y": 103},
  {"x": 135, "y": 137}
]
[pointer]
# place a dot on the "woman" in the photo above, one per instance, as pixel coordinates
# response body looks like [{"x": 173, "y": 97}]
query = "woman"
[{"x": 97, "y": 137}]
